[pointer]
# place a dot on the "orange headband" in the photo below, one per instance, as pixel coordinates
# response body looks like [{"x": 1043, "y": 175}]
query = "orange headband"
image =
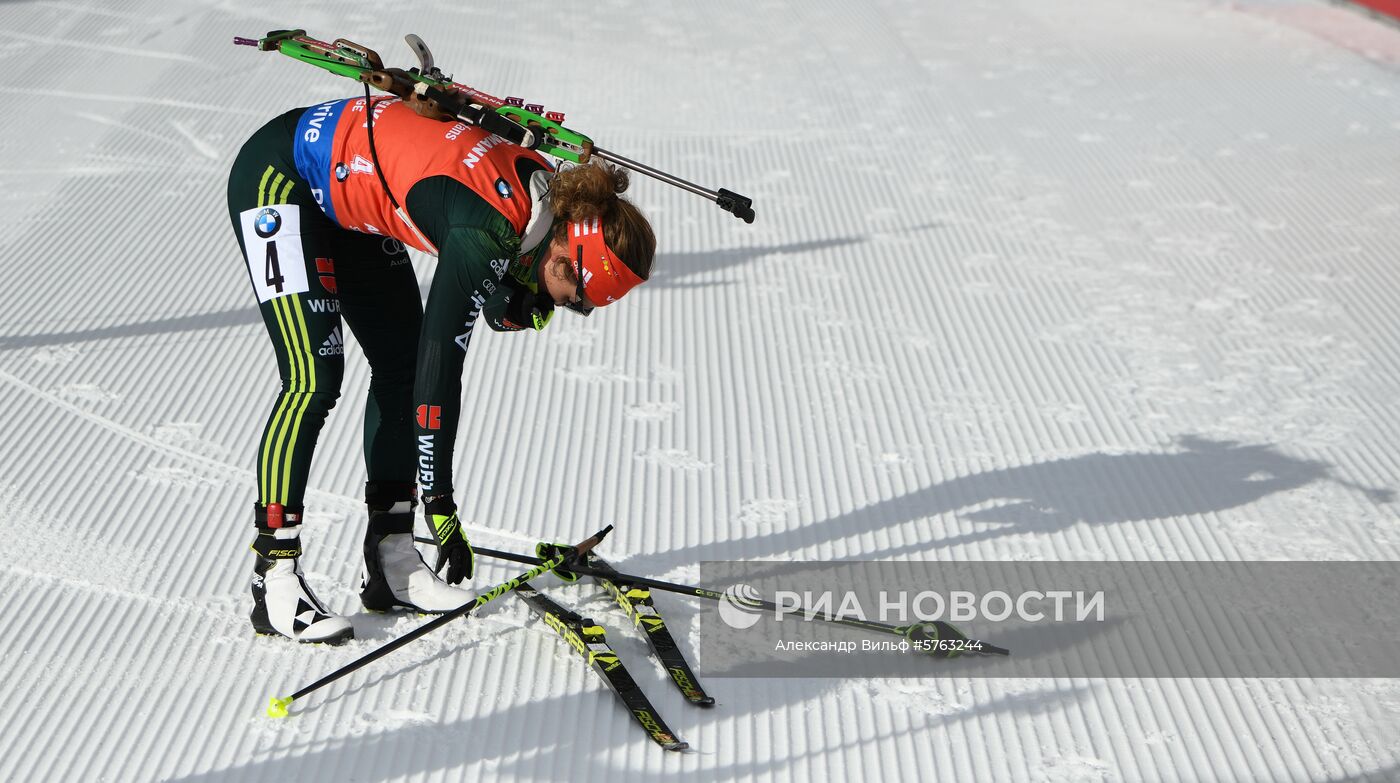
[{"x": 605, "y": 277}]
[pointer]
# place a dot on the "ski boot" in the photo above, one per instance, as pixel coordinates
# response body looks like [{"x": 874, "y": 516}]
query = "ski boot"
[
  {"x": 395, "y": 574},
  {"x": 283, "y": 604}
]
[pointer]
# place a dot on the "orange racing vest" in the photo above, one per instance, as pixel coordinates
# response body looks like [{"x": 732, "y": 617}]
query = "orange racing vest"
[{"x": 332, "y": 154}]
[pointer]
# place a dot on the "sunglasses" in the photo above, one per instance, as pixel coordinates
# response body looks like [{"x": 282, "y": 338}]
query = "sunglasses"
[{"x": 580, "y": 305}]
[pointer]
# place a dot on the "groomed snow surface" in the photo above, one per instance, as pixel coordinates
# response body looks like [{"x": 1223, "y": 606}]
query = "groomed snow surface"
[{"x": 1115, "y": 260}]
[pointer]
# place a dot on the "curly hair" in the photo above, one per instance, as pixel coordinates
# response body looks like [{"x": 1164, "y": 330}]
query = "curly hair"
[{"x": 591, "y": 191}]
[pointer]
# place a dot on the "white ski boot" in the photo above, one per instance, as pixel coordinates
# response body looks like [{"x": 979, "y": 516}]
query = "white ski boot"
[
  {"x": 283, "y": 604},
  {"x": 395, "y": 574}
]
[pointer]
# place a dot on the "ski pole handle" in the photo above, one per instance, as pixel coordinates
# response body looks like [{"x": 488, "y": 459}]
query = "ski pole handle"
[
  {"x": 586, "y": 546},
  {"x": 740, "y": 206}
]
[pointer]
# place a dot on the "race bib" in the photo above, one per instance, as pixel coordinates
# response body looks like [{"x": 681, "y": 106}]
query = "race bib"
[{"x": 272, "y": 245}]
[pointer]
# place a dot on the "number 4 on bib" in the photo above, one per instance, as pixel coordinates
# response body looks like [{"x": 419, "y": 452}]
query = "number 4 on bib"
[
  {"x": 274, "y": 270},
  {"x": 272, "y": 249}
]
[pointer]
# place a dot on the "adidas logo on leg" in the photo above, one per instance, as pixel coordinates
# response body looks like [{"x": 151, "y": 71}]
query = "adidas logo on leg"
[{"x": 334, "y": 345}]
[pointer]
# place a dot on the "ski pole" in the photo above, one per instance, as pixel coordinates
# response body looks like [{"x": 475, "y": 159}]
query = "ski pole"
[
  {"x": 277, "y": 707},
  {"x": 928, "y": 633}
]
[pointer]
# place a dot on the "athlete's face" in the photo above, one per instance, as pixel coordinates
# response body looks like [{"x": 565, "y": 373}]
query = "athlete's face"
[{"x": 559, "y": 276}]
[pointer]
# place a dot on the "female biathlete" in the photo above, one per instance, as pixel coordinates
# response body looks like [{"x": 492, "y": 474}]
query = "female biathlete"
[{"x": 323, "y": 200}]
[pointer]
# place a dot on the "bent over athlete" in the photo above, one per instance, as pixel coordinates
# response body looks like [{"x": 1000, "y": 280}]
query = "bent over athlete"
[{"x": 323, "y": 201}]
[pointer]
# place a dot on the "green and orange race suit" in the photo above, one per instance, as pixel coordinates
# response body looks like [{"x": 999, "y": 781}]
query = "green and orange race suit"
[{"x": 324, "y": 241}]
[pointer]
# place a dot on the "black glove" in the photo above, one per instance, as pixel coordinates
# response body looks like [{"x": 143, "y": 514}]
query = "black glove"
[
  {"x": 514, "y": 307},
  {"x": 453, "y": 549}
]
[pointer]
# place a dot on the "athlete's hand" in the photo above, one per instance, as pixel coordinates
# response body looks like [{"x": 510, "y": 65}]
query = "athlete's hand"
[
  {"x": 453, "y": 549},
  {"x": 514, "y": 307}
]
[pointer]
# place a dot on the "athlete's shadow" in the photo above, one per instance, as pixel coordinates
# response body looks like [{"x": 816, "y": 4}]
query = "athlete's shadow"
[{"x": 1097, "y": 489}]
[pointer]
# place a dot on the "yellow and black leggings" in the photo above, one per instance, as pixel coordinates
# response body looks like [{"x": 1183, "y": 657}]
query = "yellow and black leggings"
[{"x": 308, "y": 274}]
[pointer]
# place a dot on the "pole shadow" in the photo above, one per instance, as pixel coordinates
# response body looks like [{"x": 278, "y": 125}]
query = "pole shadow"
[
  {"x": 427, "y": 749},
  {"x": 681, "y": 270}
]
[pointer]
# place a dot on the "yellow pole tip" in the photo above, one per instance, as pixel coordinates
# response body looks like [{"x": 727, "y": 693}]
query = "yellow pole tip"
[{"x": 277, "y": 708}]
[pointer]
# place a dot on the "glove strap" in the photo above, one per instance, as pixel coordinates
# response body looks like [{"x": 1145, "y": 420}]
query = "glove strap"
[{"x": 446, "y": 528}]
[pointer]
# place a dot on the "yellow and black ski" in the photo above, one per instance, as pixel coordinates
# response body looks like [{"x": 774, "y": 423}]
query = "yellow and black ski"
[
  {"x": 589, "y": 641},
  {"x": 636, "y": 601}
]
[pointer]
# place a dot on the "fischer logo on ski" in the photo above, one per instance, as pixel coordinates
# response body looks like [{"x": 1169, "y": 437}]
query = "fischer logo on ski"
[
  {"x": 637, "y": 602},
  {"x": 681, "y": 676},
  {"x": 590, "y": 642}
]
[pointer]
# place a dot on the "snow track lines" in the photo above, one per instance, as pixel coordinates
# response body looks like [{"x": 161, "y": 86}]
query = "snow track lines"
[{"x": 1116, "y": 284}]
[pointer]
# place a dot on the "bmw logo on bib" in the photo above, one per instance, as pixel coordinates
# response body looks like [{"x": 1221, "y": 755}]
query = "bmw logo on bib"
[
  {"x": 502, "y": 188},
  {"x": 267, "y": 222}
]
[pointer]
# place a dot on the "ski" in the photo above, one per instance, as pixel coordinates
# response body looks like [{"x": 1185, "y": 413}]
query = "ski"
[
  {"x": 590, "y": 642},
  {"x": 637, "y": 602}
]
